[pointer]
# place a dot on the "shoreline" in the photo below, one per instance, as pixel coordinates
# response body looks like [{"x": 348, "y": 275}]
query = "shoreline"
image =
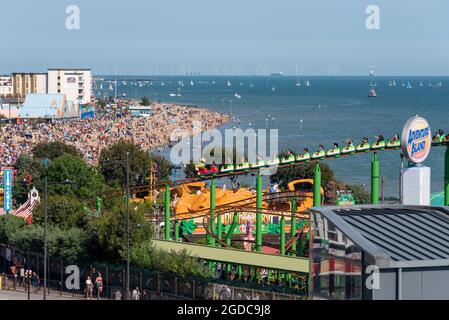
[{"x": 90, "y": 136}]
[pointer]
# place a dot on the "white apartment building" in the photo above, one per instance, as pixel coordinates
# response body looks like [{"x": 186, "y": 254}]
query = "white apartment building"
[
  {"x": 24, "y": 83},
  {"x": 76, "y": 84},
  {"x": 6, "y": 86}
]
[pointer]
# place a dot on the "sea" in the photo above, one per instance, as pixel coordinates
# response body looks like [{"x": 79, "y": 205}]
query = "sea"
[{"x": 331, "y": 109}]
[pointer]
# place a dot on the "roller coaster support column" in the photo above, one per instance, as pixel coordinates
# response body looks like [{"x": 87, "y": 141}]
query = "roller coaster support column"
[
  {"x": 211, "y": 240},
  {"x": 293, "y": 224},
  {"x": 259, "y": 212},
  {"x": 235, "y": 221},
  {"x": 282, "y": 239},
  {"x": 317, "y": 185},
  {"x": 375, "y": 179},
  {"x": 446, "y": 177},
  {"x": 176, "y": 230},
  {"x": 167, "y": 212}
]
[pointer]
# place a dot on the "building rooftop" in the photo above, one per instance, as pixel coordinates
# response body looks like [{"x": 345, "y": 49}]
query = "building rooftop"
[{"x": 396, "y": 232}]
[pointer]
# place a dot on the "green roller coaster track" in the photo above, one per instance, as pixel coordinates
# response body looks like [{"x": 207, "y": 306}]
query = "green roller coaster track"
[{"x": 212, "y": 214}]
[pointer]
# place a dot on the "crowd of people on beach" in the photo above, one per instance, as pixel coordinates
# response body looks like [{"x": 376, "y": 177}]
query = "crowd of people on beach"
[{"x": 90, "y": 136}]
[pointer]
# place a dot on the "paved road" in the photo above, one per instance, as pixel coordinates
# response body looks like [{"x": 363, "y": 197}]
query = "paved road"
[{"x": 20, "y": 295}]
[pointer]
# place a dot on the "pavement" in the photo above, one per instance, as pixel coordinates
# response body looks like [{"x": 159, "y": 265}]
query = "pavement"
[{"x": 21, "y": 295}]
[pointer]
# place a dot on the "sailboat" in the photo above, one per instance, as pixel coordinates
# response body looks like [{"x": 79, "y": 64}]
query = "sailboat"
[
  {"x": 237, "y": 96},
  {"x": 307, "y": 83},
  {"x": 110, "y": 87},
  {"x": 421, "y": 84},
  {"x": 101, "y": 86},
  {"x": 430, "y": 84},
  {"x": 162, "y": 83},
  {"x": 403, "y": 84},
  {"x": 228, "y": 84},
  {"x": 409, "y": 85},
  {"x": 372, "y": 93},
  {"x": 440, "y": 84},
  {"x": 390, "y": 83},
  {"x": 177, "y": 94},
  {"x": 191, "y": 83},
  {"x": 298, "y": 83}
]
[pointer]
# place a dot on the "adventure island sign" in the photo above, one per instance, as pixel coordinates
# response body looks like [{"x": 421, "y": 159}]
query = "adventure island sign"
[{"x": 416, "y": 139}]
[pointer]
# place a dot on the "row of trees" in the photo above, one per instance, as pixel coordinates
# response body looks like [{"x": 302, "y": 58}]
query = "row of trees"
[{"x": 77, "y": 231}]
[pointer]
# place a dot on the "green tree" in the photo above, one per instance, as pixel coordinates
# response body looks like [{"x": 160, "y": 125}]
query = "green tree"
[
  {"x": 112, "y": 165},
  {"x": 109, "y": 233},
  {"x": 53, "y": 150},
  {"x": 145, "y": 255},
  {"x": 145, "y": 101},
  {"x": 63, "y": 211},
  {"x": 284, "y": 175},
  {"x": 9, "y": 224},
  {"x": 68, "y": 245},
  {"x": 71, "y": 176}
]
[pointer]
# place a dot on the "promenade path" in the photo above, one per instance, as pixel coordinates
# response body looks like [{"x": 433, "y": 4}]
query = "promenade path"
[{"x": 21, "y": 295}]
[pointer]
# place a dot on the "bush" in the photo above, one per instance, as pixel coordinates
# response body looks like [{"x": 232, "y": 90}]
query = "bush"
[{"x": 145, "y": 255}]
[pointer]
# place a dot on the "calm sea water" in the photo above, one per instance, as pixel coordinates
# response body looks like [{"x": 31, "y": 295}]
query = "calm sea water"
[{"x": 331, "y": 110}]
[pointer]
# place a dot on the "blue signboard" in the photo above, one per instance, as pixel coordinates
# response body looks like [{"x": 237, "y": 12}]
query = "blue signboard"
[{"x": 7, "y": 188}]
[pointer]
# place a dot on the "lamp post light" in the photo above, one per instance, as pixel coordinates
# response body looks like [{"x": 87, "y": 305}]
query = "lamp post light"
[{"x": 126, "y": 164}]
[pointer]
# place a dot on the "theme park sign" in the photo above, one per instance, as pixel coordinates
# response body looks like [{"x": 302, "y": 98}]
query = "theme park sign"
[{"x": 416, "y": 139}]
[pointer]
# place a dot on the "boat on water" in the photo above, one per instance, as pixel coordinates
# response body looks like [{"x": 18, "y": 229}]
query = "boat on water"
[
  {"x": 421, "y": 84},
  {"x": 372, "y": 93},
  {"x": 390, "y": 83},
  {"x": 237, "y": 96},
  {"x": 430, "y": 84},
  {"x": 192, "y": 83},
  {"x": 403, "y": 84},
  {"x": 228, "y": 84},
  {"x": 298, "y": 83},
  {"x": 251, "y": 84},
  {"x": 307, "y": 83},
  {"x": 162, "y": 83},
  {"x": 177, "y": 94},
  {"x": 276, "y": 74},
  {"x": 110, "y": 87},
  {"x": 273, "y": 88},
  {"x": 409, "y": 85}
]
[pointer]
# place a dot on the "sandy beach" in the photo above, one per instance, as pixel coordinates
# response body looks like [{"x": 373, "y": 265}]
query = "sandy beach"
[{"x": 90, "y": 136}]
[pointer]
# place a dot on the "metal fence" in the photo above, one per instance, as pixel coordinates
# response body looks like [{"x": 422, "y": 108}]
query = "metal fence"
[{"x": 151, "y": 284}]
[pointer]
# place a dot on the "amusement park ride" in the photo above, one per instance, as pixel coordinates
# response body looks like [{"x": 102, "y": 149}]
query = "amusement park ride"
[{"x": 280, "y": 207}]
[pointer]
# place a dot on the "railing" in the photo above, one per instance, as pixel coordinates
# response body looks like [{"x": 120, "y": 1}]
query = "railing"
[{"x": 151, "y": 284}]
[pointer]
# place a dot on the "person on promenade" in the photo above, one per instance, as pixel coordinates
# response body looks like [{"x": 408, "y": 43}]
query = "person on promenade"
[
  {"x": 99, "y": 284},
  {"x": 89, "y": 288},
  {"x": 118, "y": 294},
  {"x": 136, "y": 294}
]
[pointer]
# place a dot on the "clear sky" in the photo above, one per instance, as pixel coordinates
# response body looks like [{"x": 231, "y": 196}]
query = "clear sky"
[{"x": 227, "y": 37}]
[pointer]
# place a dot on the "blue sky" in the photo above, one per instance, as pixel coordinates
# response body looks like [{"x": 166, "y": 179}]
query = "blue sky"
[{"x": 227, "y": 37}]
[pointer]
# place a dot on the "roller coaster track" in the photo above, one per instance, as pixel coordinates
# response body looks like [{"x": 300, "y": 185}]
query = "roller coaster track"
[
  {"x": 244, "y": 205},
  {"x": 209, "y": 230},
  {"x": 250, "y": 170}
]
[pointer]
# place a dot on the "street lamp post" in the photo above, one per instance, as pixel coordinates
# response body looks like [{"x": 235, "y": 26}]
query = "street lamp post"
[
  {"x": 46, "y": 163},
  {"x": 127, "y": 222}
]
